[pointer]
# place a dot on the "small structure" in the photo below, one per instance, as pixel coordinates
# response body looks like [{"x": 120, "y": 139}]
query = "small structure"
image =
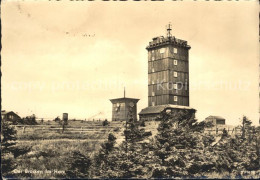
[
  {"x": 65, "y": 118},
  {"x": 153, "y": 112},
  {"x": 124, "y": 108},
  {"x": 10, "y": 116},
  {"x": 216, "y": 120}
]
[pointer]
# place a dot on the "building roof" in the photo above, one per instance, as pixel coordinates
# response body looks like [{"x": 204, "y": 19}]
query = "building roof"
[
  {"x": 215, "y": 117},
  {"x": 124, "y": 98},
  {"x": 159, "y": 108},
  {"x": 7, "y": 112}
]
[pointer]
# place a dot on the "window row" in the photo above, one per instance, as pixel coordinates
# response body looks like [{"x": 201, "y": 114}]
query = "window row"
[
  {"x": 163, "y": 50},
  {"x": 175, "y": 74},
  {"x": 175, "y": 61},
  {"x": 175, "y": 98}
]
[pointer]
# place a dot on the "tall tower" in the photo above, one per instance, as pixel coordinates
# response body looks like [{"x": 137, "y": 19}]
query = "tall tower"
[{"x": 168, "y": 71}]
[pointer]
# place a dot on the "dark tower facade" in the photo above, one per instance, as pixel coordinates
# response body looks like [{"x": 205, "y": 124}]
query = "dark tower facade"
[
  {"x": 122, "y": 108},
  {"x": 168, "y": 71}
]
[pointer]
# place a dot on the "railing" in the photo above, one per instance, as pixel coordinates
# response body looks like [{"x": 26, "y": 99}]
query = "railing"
[{"x": 163, "y": 40}]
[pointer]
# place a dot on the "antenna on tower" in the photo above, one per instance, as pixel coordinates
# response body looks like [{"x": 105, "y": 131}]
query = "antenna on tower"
[
  {"x": 124, "y": 92},
  {"x": 169, "y": 28}
]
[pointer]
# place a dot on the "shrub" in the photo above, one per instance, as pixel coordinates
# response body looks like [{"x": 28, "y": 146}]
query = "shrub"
[
  {"x": 8, "y": 138},
  {"x": 105, "y": 123},
  {"x": 116, "y": 129},
  {"x": 142, "y": 123},
  {"x": 78, "y": 165}
]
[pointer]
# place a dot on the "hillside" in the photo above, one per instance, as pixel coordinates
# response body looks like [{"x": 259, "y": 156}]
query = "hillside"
[{"x": 49, "y": 148}]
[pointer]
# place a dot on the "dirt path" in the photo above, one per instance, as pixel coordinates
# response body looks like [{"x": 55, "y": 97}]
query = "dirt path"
[{"x": 120, "y": 136}]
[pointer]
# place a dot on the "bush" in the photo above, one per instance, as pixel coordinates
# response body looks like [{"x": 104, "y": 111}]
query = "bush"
[
  {"x": 8, "y": 138},
  {"x": 78, "y": 165},
  {"x": 116, "y": 129},
  {"x": 105, "y": 123},
  {"x": 142, "y": 123}
]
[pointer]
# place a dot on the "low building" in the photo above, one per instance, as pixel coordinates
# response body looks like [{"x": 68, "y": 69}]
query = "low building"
[
  {"x": 154, "y": 112},
  {"x": 124, "y": 108},
  {"x": 10, "y": 116},
  {"x": 216, "y": 120}
]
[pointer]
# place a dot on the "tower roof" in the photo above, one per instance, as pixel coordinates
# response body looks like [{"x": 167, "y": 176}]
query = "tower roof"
[
  {"x": 124, "y": 99},
  {"x": 168, "y": 40},
  {"x": 159, "y": 108},
  {"x": 162, "y": 41}
]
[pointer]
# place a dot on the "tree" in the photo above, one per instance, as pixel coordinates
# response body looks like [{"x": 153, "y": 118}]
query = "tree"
[
  {"x": 78, "y": 165},
  {"x": 224, "y": 133},
  {"x": 62, "y": 123},
  {"x": 105, "y": 123},
  {"x": 182, "y": 146},
  {"x": 57, "y": 119},
  {"x": 240, "y": 153},
  {"x": 128, "y": 159},
  {"x": 101, "y": 158},
  {"x": 245, "y": 126},
  {"x": 63, "y": 126},
  {"x": 8, "y": 138},
  {"x": 142, "y": 123},
  {"x": 30, "y": 120}
]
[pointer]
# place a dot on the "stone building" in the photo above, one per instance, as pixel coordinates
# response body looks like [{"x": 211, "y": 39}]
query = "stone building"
[
  {"x": 216, "y": 120},
  {"x": 168, "y": 75}
]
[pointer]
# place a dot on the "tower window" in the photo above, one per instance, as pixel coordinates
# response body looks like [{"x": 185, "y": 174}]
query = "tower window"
[
  {"x": 153, "y": 94},
  {"x": 175, "y": 62},
  {"x": 152, "y": 51},
  {"x": 152, "y": 69},
  {"x": 153, "y": 58},
  {"x": 175, "y": 98},
  {"x": 175, "y": 51},
  {"x": 162, "y": 50},
  {"x": 152, "y": 82},
  {"x": 175, "y": 74},
  {"x": 153, "y": 103},
  {"x": 175, "y": 86}
]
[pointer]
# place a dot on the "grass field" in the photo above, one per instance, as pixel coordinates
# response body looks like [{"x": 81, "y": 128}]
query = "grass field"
[{"x": 50, "y": 148}]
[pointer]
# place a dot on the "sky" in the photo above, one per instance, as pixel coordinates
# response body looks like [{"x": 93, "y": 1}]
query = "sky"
[{"x": 66, "y": 56}]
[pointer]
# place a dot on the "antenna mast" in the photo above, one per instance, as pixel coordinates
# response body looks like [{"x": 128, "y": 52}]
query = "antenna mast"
[
  {"x": 124, "y": 92},
  {"x": 169, "y": 28}
]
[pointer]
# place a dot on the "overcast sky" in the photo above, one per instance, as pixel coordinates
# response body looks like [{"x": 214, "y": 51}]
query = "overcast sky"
[{"x": 74, "y": 56}]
